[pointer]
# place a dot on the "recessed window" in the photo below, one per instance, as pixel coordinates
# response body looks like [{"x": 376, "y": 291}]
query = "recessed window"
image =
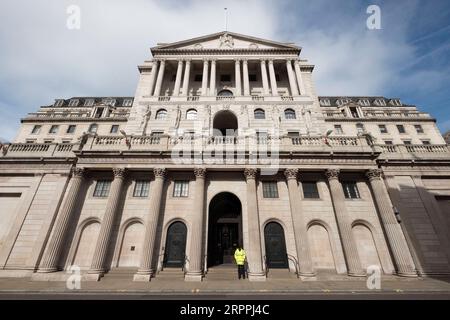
[
  {"x": 102, "y": 188},
  {"x": 59, "y": 103},
  {"x": 325, "y": 102},
  {"x": 270, "y": 189},
  {"x": 191, "y": 114},
  {"x": 419, "y": 128},
  {"x": 350, "y": 190},
  {"x": 225, "y": 78},
  {"x": 36, "y": 129},
  {"x": 198, "y": 77},
  {"x": 252, "y": 77},
  {"x": 181, "y": 188},
  {"x": 359, "y": 127},
  {"x": 161, "y": 114},
  {"x": 407, "y": 142},
  {"x": 259, "y": 114},
  {"x": 396, "y": 102},
  {"x": 71, "y": 128},
  {"x": 354, "y": 112},
  {"x": 88, "y": 102},
  {"x": 364, "y": 102},
  {"x": 109, "y": 102},
  {"x": 289, "y": 114},
  {"x": 338, "y": 129},
  {"x": 310, "y": 190},
  {"x": 114, "y": 128},
  {"x": 382, "y": 128},
  {"x": 98, "y": 112},
  {"x": 66, "y": 141},
  {"x": 388, "y": 142},
  {"x": 93, "y": 128},
  {"x": 380, "y": 102},
  {"x": 127, "y": 102},
  {"x": 401, "y": 128},
  {"x": 173, "y": 77},
  {"x": 426, "y": 142},
  {"x": 73, "y": 102},
  {"x": 141, "y": 188},
  {"x": 293, "y": 134},
  {"x": 48, "y": 141},
  {"x": 53, "y": 129}
]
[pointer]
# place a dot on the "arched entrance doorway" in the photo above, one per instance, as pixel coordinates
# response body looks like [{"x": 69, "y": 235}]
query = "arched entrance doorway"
[
  {"x": 276, "y": 254},
  {"x": 225, "y": 123},
  {"x": 224, "y": 228},
  {"x": 175, "y": 249}
]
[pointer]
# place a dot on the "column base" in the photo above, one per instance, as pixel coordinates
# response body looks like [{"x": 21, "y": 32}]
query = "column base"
[
  {"x": 47, "y": 270},
  {"x": 307, "y": 276},
  {"x": 407, "y": 274},
  {"x": 356, "y": 274},
  {"x": 92, "y": 276},
  {"x": 256, "y": 277},
  {"x": 142, "y": 277},
  {"x": 193, "y": 277}
]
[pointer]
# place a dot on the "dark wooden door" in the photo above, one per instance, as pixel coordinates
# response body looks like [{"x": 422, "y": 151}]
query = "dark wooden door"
[
  {"x": 275, "y": 246},
  {"x": 175, "y": 245}
]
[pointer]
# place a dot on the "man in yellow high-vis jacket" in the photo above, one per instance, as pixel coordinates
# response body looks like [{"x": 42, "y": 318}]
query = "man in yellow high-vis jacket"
[{"x": 239, "y": 257}]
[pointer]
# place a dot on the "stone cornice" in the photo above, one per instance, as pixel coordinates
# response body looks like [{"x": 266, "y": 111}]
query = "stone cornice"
[
  {"x": 73, "y": 119},
  {"x": 203, "y": 51}
]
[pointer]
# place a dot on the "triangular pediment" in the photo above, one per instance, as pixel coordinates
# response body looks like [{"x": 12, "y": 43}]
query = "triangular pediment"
[{"x": 225, "y": 40}]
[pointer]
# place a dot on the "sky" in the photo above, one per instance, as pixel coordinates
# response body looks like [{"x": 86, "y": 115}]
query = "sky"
[{"x": 41, "y": 59}]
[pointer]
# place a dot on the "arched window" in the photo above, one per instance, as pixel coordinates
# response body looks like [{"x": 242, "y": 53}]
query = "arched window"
[
  {"x": 259, "y": 114},
  {"x": 289, "y": 114},
  {"x": 191, "y": 114},
  {"x": 161, "y": 114},
  {"x": 225, "y": 93},
  {"x": 93, "y": 128}
]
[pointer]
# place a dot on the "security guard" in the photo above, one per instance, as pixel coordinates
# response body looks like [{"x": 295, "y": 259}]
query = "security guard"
[{"x": 239, "y": 257}]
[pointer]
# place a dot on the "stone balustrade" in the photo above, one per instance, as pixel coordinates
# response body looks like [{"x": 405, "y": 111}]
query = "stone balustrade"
[
  {"x": 39, "y": 150},
  {"x": 378, "y": 114}
]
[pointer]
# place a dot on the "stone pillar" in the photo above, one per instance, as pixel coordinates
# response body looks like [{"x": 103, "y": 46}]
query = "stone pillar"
[
  {"x": 345, "y": 229},
  {"x": 273, "y": 79},
  {"x": 160, "y": 78},
  {"x": 394, "y": 234},
  {"x": 195, "y": 255},
  {"x": 237, "y": 77},
  {"x": 298, "y": 74},
  {"x": 176, "y": 88},
  {"x": 187, "y": 69},
  {"x": 212, "y": 80},
  {"x": 253, "y": 250},
  {"x": 301, "y": 239},
  {"x": 153, "y": 76},
  {"x": 103, "y": 242},
  {"x": 145, "y": 271},
  {"x": 205, "y": 78},
  {"x": 292, "y": 82},
  {"x": 265, "y": 81},
  {"x": 245, "y": 76},
  {"x": 65, "y": 217}
]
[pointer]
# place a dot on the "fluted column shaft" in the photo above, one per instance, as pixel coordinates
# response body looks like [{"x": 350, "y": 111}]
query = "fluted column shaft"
[
  {"x": 104, "y": 237},
  {"x": 394, "y": 234},
  {"x": 265, "y": 81},
  {"x": 159, "y": 80},
  {"x": 205, "y": 78},
  {"x": 176, "y": 88},
  {"x": 273, "y": 79},
  {"x": 292, "y": 81},
  {"x": 212, "y": 80},
  {"x": 298, "y": 75},
  {"x": 145, "y": 270},
  {"x": 195, "y": 254},
  {"x": 187, "y": 70},
  {"x": 344, "y": 225},
  {"x": 56, "y": 244},
  {"x": 153, "y": 77},
  {"x": 253, "y": 249},
  {"x": 245, "y": 76},
  {"x": 301, "y": 240},
  {"x": 237, "y": 77}
]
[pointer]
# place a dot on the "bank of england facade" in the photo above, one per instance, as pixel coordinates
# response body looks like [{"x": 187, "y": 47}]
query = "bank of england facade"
[{"x": 225, "y": 142}]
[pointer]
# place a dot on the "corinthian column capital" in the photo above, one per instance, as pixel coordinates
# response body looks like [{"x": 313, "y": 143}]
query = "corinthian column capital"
[
  {"x": 78, "y": 172},
  {"x": 332, "y": 174},
  {"x": 291, "y": 173},
  {"x": 119, "y": 172},
  {"x": 374, "y": 174},
  {"x": 250, "y": 173},
  {"x": 159, "y": 172},
  {"x": 200, "y": 172}
]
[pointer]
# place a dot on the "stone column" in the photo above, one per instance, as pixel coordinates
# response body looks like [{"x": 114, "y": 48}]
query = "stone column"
[
  {"x": 145, "y": 271},
  {"x": 298, "y": 74},
  {"x": 160, "y": 78},
  {"x": 301, "y": 239},
  {"x": 394, "y": 234},
  {"x": 245, "y": 76},
  {"x": 253, "y": 250},
  {"x": 176, "y": 88},
  {"x": 187, "y": 69},
  {"x": 205, "y": 78},
  {"x": 153, "y": 76},
  {"x": 265, "y": 81},
  {"x": 344, "y": 225},
  {"x": 103, "y": 242},
  {"x": 65, "y": 217},
  {"x": 237, "y": 77},
  {"x": 212, "y": 80},
  {"x": 273, "y": 79},
  {"x": 292, "y": 82},
  {"x": 195, "y": 255}
]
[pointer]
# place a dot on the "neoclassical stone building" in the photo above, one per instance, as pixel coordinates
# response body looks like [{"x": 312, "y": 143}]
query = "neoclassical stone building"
[{"x": 225, "y": 142}]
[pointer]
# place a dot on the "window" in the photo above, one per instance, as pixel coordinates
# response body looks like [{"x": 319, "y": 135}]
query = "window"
[
  {"x": 114, "y": 128},
  {"x": 293, "y": 134},
  {"x": 161, "y": 114},
  {"x": 261, "y": 137},
  {"x": 354, "y": 112},
  {"x": 289, "y": 114},
  {"x": 48, "y": 141},
  {"x": 382, "y": 128},
  {"x": 388, "y": 142},
  {"x": 58, "y": 103},
  {"x": 102, "y": 188},
  {"x": 426, "y": 142},
  {"x": 191, "y": 114},
  {"x": 310, "y": 190},
  {"x": 380, "y": 102},
  {"x": 338, "y": 129},
  {"x": 30, "y": 141},
  {"x": 419, "y": 128},
  {"x": 73, "y": 102},
  {"x": 407, "y": 142},
  {"x": 225, "y": 93},
  {"x": 88, "y": 102},
  {"x": 93, "y": 128},
  {"x": 53, "y": 129},
  {"x": 66, "y": 141},
  {"x": 252, "y": 77},
  {"x": 127, "y": 102},
  {"x": 396, "y": 102},
  {"x": 342, "y": 101},
  {"x": 270, "y": 189},
  {"x": 401, "y": 128},
  {"x": 225, "y": 78},
  {"x": 359, "y": 127},
  {"x": 109, "y": 102},
  {"x": 325, "y": 102},
  {"x": 181, "y": 188},
  {"x": 259, "y": 114},
  {"x": 198, "y": 77},
  {"x": 36, "y": 129},
  {"x": 364, "y": 102},
  {"x": 98, "y": 112},
  {"x": 141, "y": 188},
  {"x": 71, "y": 128},
  {"x": 350, "y": 190}
]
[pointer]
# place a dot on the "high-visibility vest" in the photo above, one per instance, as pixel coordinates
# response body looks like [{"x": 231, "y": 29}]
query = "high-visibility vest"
[{"x": 239, "y": 256}]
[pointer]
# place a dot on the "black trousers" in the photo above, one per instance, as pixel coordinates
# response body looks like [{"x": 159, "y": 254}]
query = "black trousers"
[{"x": 241, "y": 271}]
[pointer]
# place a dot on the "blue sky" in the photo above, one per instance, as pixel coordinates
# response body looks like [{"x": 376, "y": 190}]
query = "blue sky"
[{"x": 40, "y": 59}]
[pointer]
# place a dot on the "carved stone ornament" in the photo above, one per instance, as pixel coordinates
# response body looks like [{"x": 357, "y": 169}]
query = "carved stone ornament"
[
  {"x": 226, "y": 41},
  {"x": 250, "y": 173},
  {"x": 78, "y": 172},
  {"x": 332, "y": 174},
  {"x": 119, "y": 172},
  {"x": 374, "y": 174},
  {"x": 159, "y": 172},
  {"x": 200, "y": 172},
  {"x": 291, "y": 173}
]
